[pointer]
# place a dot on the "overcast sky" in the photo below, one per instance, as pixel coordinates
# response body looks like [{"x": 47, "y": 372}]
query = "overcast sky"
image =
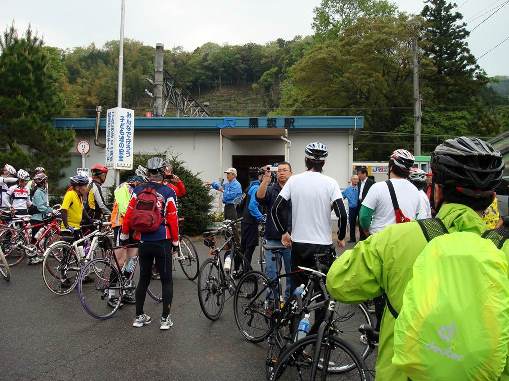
[{"x": 68, "y": 23}]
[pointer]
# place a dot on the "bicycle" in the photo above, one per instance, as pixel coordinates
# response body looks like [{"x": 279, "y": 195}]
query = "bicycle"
[
  {"x": 16, "y": 237},
  {"x": 64, "y": 259},
  {"x": 262, "y": 313},
  {"x": 187, "y": 256},
  {"x": 322, "y": 356},
  {"x": 102, "y": 277},
  {"x": 213, "y": 280},
  {"x": 4, "y": 267}
]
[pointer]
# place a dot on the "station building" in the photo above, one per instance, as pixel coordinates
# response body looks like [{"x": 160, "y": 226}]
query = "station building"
[{"x": 210, "y": 145}]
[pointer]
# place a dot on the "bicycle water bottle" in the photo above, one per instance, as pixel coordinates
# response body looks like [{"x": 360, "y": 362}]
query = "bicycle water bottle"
[
  {"x": 299, "y": 291},
  {"x": 304, "y": 328},
  {"x": 227, "y": 263},
  {"x": 81, "y": 252},
  {"x": 130, "y": 265},
  {"x": 38, "y": 235}
]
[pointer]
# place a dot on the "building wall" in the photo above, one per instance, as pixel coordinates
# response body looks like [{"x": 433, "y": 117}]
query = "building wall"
[{"x": 200, "y": 150}]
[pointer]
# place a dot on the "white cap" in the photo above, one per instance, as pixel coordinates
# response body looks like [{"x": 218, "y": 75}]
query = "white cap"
[{"x": 233, "y": 171}]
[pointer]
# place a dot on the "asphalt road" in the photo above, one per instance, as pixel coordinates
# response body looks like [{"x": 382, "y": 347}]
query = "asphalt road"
[{"x": 48, "y": 337}]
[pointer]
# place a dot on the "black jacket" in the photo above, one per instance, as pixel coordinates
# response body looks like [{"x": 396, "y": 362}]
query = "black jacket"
[
  {"x": 369, "y": 183},
  {"x": 267, "y": 202}
]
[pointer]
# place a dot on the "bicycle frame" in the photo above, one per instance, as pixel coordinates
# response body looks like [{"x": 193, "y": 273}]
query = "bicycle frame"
[{"x": 95, "y": 235}]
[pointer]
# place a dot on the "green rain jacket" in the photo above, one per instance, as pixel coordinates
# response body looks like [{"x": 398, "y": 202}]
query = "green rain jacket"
[{"x": 384, "y": 262}]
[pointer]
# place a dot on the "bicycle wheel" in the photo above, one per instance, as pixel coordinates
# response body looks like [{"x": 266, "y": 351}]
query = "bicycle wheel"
[
  {"x": 154, "y": 289},
  {"x": 349, "y": 317},
  {"x": 96, "y": 280},
  {"x": 210, "y": 289},
  {"x": 12, "y": 242},
  {"x": 296, "y": 363},
  {"x": 50, "y": 239},
  {"x": 190, "y": 262},
  {"x": 60, "y": 268},
  {"x": 4, "y": 267},
  {"x": 253, "y": 306}
]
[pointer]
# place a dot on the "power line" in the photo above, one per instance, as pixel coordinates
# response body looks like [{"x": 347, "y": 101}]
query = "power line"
[
  {"x": 491, "y": 15},
  {"x": 486, "y": 10},
  {"x": 493, "y": 48}
]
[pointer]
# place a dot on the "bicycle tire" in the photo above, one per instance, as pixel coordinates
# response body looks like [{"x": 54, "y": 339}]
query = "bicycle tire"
[
  {"x": 190, "y": 265},
  {"x": 60, "y": 268},
  {"x": 94, "y": 295},
  {"x": 210, "y": 288},
  {"x": 50, "y": 239},
  {"x": 14, "y": 255},
  {"x": 252, "y": 303},
  {"x": 5, "y": 270},
  {"x": 296, "y": 360}
]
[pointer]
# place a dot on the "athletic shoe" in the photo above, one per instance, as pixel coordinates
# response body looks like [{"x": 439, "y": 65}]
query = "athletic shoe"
[
  {"x": 142, "y": 320},
  {"x": 166, "y": 323}
]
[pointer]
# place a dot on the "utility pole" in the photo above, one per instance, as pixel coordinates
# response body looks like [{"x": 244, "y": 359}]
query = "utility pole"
[
  {"x": 158, "y": 80},
  {"x": 417, "y": 100},
  {"x": 120, "y": 72}
]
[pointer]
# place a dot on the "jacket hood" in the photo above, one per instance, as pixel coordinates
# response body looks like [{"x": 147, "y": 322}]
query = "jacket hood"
[{"x": 458, "y": 217}]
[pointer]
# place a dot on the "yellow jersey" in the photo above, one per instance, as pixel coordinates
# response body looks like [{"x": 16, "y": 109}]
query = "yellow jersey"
[
  {"x": 74, "y": 206},
  {"x": 491, "y": 216}
]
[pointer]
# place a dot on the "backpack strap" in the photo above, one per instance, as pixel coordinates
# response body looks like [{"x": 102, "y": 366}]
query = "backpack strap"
[
  {"x": 431, "y": 228},
  {"x": 394, "y": 199},
  {"x": 497, "y": 236}
]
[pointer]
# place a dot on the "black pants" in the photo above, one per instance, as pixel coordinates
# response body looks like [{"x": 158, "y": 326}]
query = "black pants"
[
  {"x": 161, "y": 252},
  {"x": 248, "y": 243},
  {"x": 303, "y": 254},
  {"x": 352, "y": 221},
  {"x": 362, "y": 236},
  {"x": 230, "y": 212}
]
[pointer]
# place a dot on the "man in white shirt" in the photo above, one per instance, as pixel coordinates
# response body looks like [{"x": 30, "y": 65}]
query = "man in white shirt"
[
  {"x": 313, "y": 196},
  {"x": 377, "y": 210}
]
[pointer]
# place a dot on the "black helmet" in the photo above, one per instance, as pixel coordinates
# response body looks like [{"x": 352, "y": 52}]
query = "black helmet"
[
  {"x": 316, "y": 151},
  {"x": 156, "y": 164},
  {"x": 467, "y": 163},
  {"x": 79, "y": 180}
]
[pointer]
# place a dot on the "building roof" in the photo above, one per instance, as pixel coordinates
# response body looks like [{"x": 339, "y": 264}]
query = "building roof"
[{"x": 216, "y": 123}]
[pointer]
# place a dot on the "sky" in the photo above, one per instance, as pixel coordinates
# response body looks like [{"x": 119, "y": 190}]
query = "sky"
[{"x": 71, "y": 23}]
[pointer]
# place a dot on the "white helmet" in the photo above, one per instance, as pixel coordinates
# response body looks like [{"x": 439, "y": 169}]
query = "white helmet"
[
  {"x": 403, "y": 158},
  {"x": 9, "y": 168},
  {"x": 23, "y": 175},
  {"x": 316, "y": 151}
]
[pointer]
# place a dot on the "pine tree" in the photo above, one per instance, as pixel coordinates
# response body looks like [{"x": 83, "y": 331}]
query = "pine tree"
[
  {"x": 30, "y": 96},
  {"x": 457, "y": 78}
]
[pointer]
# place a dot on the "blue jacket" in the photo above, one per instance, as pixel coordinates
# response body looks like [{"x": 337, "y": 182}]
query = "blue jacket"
[
  {"x": 253, "y": 206},
  {"x": 232, "y": 191},
  {"x": 352, "y": 195},
  {"x": 40, "y": 201}
]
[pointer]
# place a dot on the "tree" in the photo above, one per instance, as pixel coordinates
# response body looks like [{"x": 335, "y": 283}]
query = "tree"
[
  {"x": 30, "y": 95},
  {"x": 333, "y": 16},
  {"x": 456, "y": 78}
]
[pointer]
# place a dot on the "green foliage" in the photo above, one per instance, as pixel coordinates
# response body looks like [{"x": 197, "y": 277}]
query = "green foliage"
[
  {"x": 333, "y": 16},
  {"x": 31, "y": 84},
  {"x": 456, "y": 78},
  {"x": 195, "y": 206}
]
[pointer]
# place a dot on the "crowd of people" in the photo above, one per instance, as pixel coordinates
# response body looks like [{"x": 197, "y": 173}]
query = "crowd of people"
[{"x": 396, "y": 220}]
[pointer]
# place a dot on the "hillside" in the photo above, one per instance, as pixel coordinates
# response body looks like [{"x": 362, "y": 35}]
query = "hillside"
[{"x": 500, "y": 84}]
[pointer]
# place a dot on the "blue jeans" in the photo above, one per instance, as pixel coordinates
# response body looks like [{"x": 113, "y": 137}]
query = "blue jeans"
[{"x": 271, "y": 268}]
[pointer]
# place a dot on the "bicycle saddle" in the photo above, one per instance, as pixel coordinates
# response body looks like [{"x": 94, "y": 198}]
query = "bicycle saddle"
[
  {"x": 270, "y": 247},
  {"x": 312, "y": 271}
]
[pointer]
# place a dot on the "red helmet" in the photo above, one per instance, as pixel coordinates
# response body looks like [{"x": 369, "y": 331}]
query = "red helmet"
[{"x": 98, "y": 169}]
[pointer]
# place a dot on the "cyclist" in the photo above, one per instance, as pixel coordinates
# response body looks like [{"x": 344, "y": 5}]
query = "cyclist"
[
  {"x": 96, "y": 202},
  {"x": 8, "y": 178},
  {"x": 266, "y": 195},
  {"x": 41, "y": 205},
  {"x": 418, "y": 178},
  {"x": 464, "y": 187},
  {"x": 122, "y": 197},
  {"x": 313, "y": 196},
  {"x": 72, "y": 210},
  {"x": 156, "y": 245},
  {"x": 20, "y": 194}
]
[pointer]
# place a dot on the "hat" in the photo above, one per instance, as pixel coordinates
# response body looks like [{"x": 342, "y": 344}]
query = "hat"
[{"x": 233, "y": 171}]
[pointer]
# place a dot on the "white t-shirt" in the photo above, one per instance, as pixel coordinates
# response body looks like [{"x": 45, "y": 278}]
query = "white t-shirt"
[
  {"x": 20, "y": 197},
  {"x": 312, "y": 195},
  {"x": 425, "y": 211},
  {"x": 379, "y": 200}
]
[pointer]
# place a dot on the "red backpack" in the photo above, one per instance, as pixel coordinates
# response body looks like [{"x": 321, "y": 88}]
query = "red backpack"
[
  {"x": 146, "y": 216},
  {"x": 400, "y": 217}
]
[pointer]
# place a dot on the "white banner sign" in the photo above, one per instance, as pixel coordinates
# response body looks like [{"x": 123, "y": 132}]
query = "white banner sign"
[{"x": 119, "y": 138}]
